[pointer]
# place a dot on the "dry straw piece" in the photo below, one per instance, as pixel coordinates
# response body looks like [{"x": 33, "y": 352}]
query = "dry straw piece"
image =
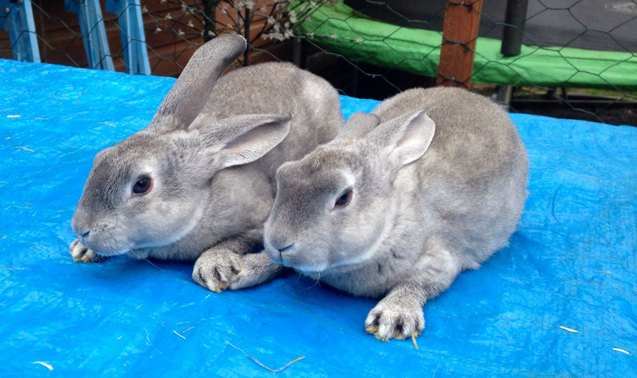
[
  {"x": 266, "y": 367},
  {"x": 571, "y": 330},
  {"x": 45, "y": 364}
]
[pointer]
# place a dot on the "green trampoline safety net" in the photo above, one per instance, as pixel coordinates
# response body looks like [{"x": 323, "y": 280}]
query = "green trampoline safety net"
[{"x": 340, "y": 29}]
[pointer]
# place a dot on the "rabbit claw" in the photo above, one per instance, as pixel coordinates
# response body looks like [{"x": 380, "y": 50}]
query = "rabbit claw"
[
  {"x": 395, "y": 320},
  {"x": 80, "y": 253},
  {"x": 217, "y": 270}
]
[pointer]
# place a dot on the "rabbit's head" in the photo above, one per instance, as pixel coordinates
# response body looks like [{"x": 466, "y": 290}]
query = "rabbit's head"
[
  {"x": 332, "y": 206},
  {"x": 152, "y": 188}
]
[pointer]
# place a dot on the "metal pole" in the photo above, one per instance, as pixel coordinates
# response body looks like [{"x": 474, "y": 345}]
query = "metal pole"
[
  {"x": 514, "y": 27},
  {"x": 297, "y": 52},
  {"x": 514, "y": 20},
  {"x": 246, "y": 35},
  {"x": 209, "y": 18}
]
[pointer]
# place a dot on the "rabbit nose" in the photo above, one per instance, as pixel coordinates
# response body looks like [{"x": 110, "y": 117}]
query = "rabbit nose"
[
  {"x": 277, "y": 245},
  {"x": 282, "y": 246},
  {"x": 84, "y": 235},
  {"x": 286, "y": 248}
]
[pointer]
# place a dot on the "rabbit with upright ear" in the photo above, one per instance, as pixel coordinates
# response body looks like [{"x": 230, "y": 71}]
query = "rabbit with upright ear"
[
  {"x": 399, "y": 211},
  {"x": 198, "y": 182}
]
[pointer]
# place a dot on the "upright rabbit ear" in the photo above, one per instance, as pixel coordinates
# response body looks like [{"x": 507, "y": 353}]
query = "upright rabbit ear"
[
  {"x": 405, "y": 138},
  {"x": 358, "y": 125},
  {"x": 191, "y": 91},
  {"x": 240, "y": 139}
]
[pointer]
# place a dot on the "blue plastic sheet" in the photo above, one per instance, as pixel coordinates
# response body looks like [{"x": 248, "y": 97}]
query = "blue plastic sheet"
[{"x": 571, "y": 263}]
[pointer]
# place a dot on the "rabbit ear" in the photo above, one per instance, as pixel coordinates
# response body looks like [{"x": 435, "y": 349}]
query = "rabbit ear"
[
  {"x": 241, "y": 139},
  {"x": 405, "y": 138},
  {"x": 358, "y": 125},
  {"x": 191, "y": 91}
]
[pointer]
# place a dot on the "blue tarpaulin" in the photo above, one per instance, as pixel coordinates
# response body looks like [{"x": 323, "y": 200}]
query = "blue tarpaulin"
[{"x": 560, "y": 300}]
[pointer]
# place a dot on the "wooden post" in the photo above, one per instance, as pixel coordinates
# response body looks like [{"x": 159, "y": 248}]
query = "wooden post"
[{"x": 459, "y": 35}]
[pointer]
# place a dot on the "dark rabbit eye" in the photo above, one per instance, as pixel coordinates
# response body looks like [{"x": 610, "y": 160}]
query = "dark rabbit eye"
[
  {"x": 143, "y": 185},
  {"x": 344, "y": 199}
]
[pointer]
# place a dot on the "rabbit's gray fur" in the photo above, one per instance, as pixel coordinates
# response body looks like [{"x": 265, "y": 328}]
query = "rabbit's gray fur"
[
  {"x": 418, "y": 216},
  {"x": 204, "y": 149}
]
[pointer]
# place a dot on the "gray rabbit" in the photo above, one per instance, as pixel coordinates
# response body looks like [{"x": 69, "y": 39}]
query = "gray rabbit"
[
  {"x": 399, "y": 211},
  {"x": 199, "y": 181}
]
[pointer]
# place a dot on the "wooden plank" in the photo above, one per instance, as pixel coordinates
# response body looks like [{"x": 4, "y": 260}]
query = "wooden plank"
[{"x": 460, "y": 32}]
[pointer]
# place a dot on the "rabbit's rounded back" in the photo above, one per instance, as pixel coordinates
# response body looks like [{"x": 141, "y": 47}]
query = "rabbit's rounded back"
[
  {"x": 476, "y": 155},
  {"x": 281, "y": 88},
  {"x": 444, "y": 169}
]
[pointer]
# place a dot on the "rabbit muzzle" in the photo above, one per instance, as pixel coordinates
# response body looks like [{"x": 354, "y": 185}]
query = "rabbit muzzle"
[
  {"x": 278, "y": 249},
  {"x": 293, "y": 255},
  {"x": 99, "y": 237}
]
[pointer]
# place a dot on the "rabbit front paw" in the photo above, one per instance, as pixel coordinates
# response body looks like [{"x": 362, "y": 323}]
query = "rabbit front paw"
[
  {"x": 80, "y": 253},
  {"x": 217, "y": 270},
  {"x": 394, "y": 317}
]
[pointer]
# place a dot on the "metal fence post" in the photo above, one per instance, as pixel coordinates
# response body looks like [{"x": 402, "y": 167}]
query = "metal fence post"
[
  {"x": 131, "y": 26},
  {"x": 89, "y": 14},
  {"x": 512, "y": 34},
  {"x": 18, "y": 21}
]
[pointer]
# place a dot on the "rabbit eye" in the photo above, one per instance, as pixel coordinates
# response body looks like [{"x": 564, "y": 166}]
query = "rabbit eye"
[
  {"x": 344, "y": 199},
  {"x": 143, "y": 185}
]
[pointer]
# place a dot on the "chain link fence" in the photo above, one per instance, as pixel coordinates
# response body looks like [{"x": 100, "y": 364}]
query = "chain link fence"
[{"x": 564, "y": 58}]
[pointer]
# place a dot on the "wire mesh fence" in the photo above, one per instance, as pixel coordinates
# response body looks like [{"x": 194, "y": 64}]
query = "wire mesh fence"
[
  {"x": 574, "y": 58},
  {"x": 170, "y": 29},
  {"x": 566, "y": 58}
]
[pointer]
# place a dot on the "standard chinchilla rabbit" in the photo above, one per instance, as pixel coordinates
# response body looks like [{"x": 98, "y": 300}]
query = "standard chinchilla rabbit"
[
  {"x": 199, "y": 181},
  {"x": 399, "y": 211}
]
